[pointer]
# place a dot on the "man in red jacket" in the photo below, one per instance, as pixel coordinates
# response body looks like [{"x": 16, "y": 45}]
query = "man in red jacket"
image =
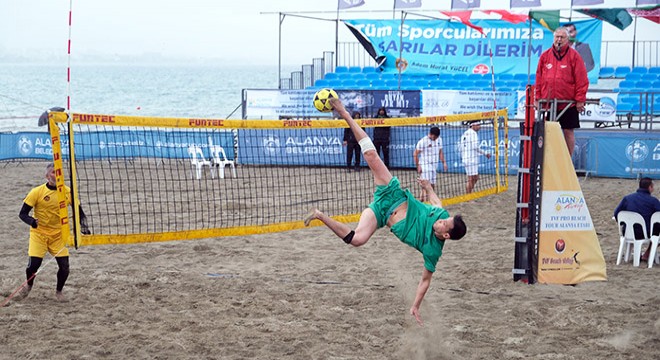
[{"x": 561, "y": 75}]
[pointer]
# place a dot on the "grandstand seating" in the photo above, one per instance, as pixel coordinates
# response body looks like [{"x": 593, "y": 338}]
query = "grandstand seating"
[{"x": 634, "y": 82}]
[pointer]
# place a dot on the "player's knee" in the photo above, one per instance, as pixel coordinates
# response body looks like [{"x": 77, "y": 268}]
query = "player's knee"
[
  {"x": 33, "y": 265},
  {"x": 63, "y": 264}
]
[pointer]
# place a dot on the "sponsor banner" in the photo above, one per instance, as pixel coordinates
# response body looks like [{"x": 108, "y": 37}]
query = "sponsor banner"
[
  {"x": 450, "y": 102},
  {"x": 568, "y": 250},
  {"x": 626, "y": 156},
  {"x": 442, "y": 46},
  {"x": 116, "y": 144},
  {"x": 323, "y": 147},
  {"x": 276, "y": 104},
  {"x": 398, "y": 103},
  {"x": 605, "y": 110}
]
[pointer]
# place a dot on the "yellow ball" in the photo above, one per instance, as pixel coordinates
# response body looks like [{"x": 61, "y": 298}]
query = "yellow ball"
[{"x": 321, "y": 99}]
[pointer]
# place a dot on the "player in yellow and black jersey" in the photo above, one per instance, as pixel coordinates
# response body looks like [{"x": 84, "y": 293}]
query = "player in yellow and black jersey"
[{"x": 46, "y": 231}]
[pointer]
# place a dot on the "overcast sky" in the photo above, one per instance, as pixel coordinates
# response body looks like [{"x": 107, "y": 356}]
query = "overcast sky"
[{"x": 234, "y": 32}]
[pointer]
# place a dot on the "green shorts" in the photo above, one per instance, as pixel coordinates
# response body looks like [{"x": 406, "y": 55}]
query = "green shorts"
[{"x": 386, "y": 199}]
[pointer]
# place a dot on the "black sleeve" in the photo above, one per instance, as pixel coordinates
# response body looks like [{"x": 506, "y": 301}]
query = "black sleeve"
[
  {"x": 84, "y": 228},
  {"x": 25, "y": 215}
]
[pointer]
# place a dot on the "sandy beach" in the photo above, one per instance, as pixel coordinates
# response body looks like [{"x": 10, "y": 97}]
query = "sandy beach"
[{"x": 304, "y": 294}]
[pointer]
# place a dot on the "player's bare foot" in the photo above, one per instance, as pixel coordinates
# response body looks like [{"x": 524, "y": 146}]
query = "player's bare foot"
[
  {"x": 59, "y": 296},
  {"x": 310, "y": 216},
  {"x": 23, "y": 293}
]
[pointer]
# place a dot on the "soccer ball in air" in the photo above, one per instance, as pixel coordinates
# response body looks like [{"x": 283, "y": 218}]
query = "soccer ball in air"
[{"x": 321, "y": 99}]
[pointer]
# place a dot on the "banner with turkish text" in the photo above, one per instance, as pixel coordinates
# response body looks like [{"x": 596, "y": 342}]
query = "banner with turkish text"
[{"x": 446, "y": 47}]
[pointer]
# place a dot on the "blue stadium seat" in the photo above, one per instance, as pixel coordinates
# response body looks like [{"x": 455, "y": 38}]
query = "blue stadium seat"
[
  {"x": 483, "y": 84},
  {"x": 459, "y": 77},
  {"x": 505, "y": 77},
  {"x": 355, "y": 69},
  {"x": 465, "y": 84},
  {"x": 514, "y": 85},
  {"x": 651, "y": 77},
  {"x": 646, "y": 85},
  {"x": 475, "y": 77},
  {"x": 656, "y": 85},
  {"x": 369, "y": 70},
  {"x": 634, "y": 76},
  {"x": 451, "y": 85},
  {"x": 422, "y": 83},
  {"x": 623, "y": 108},
  {"x": 378, "y": 84},
  {"x": 321, "y": 83},
  {"x": 627, "y": 84},
  {"x": 639, "y": 70},
  {"x": 341, "y": 69},
  {"x": 606, "y": 72},
  {"x": 621, "y": 71},
  {"x": 363, "y": 83},
  {"x": 437, "y": 84},
  {"x": 372, "y": 76},
  {"x": 330, "y": 76},
  {"x": 356, "y": 76},
  {"x": 520, "y": 77},
  {"x": 392, "y": 83},
  {"x": 504, "y": 88},
  {"x": 628, "y": 99},
  {"x": 348, "y": 84},
  {"x": 333, "y": 83}
]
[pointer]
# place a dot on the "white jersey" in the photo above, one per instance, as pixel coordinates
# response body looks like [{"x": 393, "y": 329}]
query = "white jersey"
[
  {"x": 429, "y": 151},
  {"x": 470, "y": 147}
]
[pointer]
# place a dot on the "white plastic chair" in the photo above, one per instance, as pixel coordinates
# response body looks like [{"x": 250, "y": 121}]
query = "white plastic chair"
[
  {"x": 655, "y": 219},
  {"x": 627, "y": 237},
  {"x": 220, "y": 160},
  {"x": 198, "y": 161}
]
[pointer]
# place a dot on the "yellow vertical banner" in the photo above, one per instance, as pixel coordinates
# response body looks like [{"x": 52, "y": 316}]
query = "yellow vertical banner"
[
  {"x": 569, "y": 251},
  {"x": 59, "y": 179}
]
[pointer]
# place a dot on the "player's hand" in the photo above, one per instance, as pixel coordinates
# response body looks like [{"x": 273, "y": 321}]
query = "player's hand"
[
  {"x": 337, "y": 105},
  {"x": 85, "y": 230},
  {"x": 35, "y": 223},
  {"x": 580, "y": 106},
  {"x": 444, "y": 166},
  {"x": 414, "y": 311},
  {"x": 488, "y": 156}
]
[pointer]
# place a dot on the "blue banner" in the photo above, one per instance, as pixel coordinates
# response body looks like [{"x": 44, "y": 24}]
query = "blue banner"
[
  {"x": 116, "y": 144},
  {"x": 398, "y": 103},
  {"x": 323, "y": 147},
  {"x": 442, "y": 46}
]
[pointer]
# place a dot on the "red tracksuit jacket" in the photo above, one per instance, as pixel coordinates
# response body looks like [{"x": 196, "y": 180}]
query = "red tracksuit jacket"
[{"x": 561, "y": 75}]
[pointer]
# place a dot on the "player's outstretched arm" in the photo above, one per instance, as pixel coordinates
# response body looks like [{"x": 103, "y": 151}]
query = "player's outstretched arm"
[
  {"x": 423, "y": 286},
  {"x": 433, "y": 197}
]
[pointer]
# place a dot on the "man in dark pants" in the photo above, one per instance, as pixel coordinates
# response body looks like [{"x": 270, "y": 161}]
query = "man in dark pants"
[
  {"x": 382, "y": 138},
  {"x": 352, "y": 146},
  {"x": 643, "y": 203}
]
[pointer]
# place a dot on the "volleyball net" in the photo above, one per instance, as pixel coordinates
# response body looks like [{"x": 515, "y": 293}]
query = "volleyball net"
[{"x": 143, "y": 179}]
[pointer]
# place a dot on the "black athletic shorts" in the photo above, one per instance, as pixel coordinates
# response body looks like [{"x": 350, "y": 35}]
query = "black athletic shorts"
[{"x": 570, "y": 119}]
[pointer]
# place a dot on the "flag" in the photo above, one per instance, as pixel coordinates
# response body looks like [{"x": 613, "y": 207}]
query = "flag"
[
  {"x": 347, "y": 4},
  {"x": 464, "y": 17},
  {"x": 507, "y": 16},
  {"x": 549, "y": 19},
  {"x": 465, "y": 4},
  {"x": 586, "y": 2},
  {"x": 617, "y": 17},
  {"x": 407, "y": 4},
  {"x": 652, "y": 14},
  {"x": 647, "y": 2},
  {"x": 524, "y": 3}
]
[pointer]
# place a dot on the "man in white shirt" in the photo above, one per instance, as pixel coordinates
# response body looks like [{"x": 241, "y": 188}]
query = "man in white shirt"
[
  {"x": 427, "y": 154},
  {"x": 470, "y": 153}
]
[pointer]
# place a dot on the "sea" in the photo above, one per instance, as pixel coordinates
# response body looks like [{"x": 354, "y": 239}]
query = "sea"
[{"x": 179, "y": 90}]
